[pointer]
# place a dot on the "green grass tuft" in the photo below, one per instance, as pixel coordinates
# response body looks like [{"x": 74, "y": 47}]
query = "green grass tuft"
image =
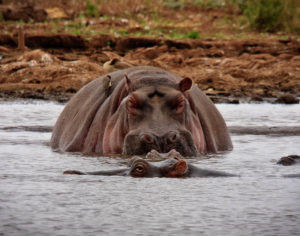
[
  {"x": 193, "y": 35},
  {"x": 91, "y": 9}
]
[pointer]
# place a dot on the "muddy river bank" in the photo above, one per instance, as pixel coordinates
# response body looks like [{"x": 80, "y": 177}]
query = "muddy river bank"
[{"x": 55, "y": 66}]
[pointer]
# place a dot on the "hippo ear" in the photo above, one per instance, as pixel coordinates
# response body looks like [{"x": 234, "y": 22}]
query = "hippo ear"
[
  {"x": 185, "y": 84},
  {"x": 128, "y": 84},
  {"x": 181, "y": 167}
]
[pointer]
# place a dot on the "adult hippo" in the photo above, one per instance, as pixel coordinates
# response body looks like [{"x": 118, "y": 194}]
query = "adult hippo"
[
  {"x": 135, "y": 110},
  {"x": 173, "y": 167}
]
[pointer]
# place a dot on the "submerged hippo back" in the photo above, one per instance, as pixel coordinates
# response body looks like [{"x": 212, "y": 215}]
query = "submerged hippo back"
[{"x": 96, "y": 120}]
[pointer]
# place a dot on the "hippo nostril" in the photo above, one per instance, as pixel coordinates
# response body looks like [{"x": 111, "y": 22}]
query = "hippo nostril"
[
  {"x": 147, "y": 138},
  {"x": 173, "y": 137}
]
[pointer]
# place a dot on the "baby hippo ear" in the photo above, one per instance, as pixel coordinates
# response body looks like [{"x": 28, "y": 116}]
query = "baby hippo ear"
[
  {"x": 181, "y": 167},
  {"x": 185, "y": 84},
  {"x": 128, "y": 84}
]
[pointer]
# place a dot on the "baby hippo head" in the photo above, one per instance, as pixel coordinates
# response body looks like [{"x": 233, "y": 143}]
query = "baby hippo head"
[{"x": 172, "y": 167}]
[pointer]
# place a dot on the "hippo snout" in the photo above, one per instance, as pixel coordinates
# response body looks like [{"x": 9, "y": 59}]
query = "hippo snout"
[
  {"x": 162, "y": 143},
  {"x": 142, "y": 143}
]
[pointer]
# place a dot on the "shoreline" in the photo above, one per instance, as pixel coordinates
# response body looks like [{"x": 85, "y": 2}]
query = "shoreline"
[
  {"x": 227, "y": 71},
  {"x": 62, "y": 97}
]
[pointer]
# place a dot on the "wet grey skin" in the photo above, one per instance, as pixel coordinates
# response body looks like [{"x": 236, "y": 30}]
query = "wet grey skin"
[
  {"x": 195, "y": 171},
  {"x": 289, "y": 160},
  {"x": 138, "y": 167},
  {"x": 191, "y": 170},
  {"x": 297, "y": 176},
  {"x": 118, "y": 172},
  {"x": 173, "y": 167}
]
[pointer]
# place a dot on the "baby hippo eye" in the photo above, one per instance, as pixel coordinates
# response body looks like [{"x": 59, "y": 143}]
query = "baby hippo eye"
[{"x": 139, "y": 170}]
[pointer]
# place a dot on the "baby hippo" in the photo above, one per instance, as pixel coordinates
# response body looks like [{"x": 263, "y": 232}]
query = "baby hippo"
[
  {"x": 138, "y": 167},
  {"x": 173, "y": 167}
]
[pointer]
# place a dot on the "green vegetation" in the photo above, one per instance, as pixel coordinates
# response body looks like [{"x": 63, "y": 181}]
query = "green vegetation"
[
  {"x": 123, "y": 32},
  {"x": 210, "y": 3},
  {"x": 174, "y": 4},
  {"x": 91, "y": 9},
  {"x": 193, "y": 35},
  {"x": 1, "y": 17},
  {"x": 272, "y": 15},
  {"x": 291, "y": 16},
  {"x": 55, "y": 26},
  {"x": 20, "y": 22},
  {"x": 75, "y": 25},
  {"x": 176, "y": 35},
  {"x": 264, "y": 14},
  {"x": 261, "y": 15},
  {"x": 180, "y": 19}
]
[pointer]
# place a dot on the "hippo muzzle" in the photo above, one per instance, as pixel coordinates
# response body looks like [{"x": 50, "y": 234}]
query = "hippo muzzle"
[{"x": 144, "y": 142}]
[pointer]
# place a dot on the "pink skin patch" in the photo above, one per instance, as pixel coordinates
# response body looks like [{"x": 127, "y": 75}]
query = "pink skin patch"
[
  {"x": 197, "y": 133},
  {"x": 198, "y": 136},
  {"x": 132, "y": 105},
  {"x": 180, "y": 168},
  {"x": 112, "y": 141},
  {"x": 115, "y": 132},
  {"x": 106, "y": 141}
]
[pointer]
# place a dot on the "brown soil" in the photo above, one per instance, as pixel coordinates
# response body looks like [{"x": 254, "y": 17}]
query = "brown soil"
[{"x": 56, "y": 65}]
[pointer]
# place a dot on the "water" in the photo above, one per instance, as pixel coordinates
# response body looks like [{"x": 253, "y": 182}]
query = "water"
[{"x": 37, "y": 199}]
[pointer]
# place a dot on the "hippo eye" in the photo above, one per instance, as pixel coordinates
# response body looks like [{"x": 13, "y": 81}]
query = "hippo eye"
[
  {"x": 139, "y": 170},
  {"x": 178, "y": 105},
  {"x": 133, "y": 105}
]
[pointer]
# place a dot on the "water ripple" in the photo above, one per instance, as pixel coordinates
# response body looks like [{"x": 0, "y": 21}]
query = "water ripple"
[{"x": 37, "y": 199}]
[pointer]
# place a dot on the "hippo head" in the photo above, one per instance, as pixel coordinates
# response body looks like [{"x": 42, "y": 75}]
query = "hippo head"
[
  {"x": 171, "y": 167},
  {"x": 157, "y": 118}
]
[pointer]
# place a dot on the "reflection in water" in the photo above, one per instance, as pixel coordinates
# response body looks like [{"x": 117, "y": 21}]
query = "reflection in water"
[{"x": 36, "y": 199}]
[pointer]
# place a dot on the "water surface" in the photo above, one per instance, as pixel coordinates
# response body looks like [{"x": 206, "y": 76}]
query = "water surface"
[{"x": 37, "y": 199}]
